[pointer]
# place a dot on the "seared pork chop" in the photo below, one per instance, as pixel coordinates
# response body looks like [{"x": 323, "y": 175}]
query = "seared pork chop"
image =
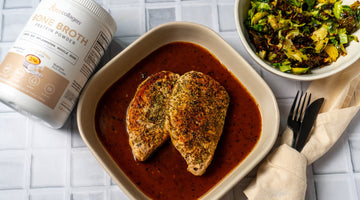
[
  {"x": 146, "y": 114},
  {"x": 196, "y": 115}
]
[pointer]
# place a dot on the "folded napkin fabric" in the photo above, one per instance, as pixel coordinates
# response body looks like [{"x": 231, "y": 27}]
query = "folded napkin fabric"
[
  {"x": 283, "y": 166},
  {"x": 342, "y": 102}
]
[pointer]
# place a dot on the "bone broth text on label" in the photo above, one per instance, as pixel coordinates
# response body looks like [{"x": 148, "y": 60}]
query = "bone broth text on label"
[{"x": 43, "y": 73}]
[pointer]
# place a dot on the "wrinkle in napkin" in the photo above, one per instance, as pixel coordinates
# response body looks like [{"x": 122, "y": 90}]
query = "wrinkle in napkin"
[
  {"x": 342, "y": 101},
  {"x": 283, "y": 165}
]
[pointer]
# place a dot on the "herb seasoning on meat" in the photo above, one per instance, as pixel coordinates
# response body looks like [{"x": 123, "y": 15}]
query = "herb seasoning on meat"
[
  {"x": 146, "y": 114},
  {"x": 196, "y": 115}
]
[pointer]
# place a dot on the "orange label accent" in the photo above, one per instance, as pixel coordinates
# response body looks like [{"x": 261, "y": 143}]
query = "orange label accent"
[{"x": 38, "y": 82}]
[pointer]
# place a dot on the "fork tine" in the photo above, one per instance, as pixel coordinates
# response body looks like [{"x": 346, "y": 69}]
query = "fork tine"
[
  {"x": 291, "y": 114},
  {"x": 302, "y": 111},
  {"x": 297, "y": 114},
  {"x": 291, "y": 122},
  {"x": 308, "y": 103}
]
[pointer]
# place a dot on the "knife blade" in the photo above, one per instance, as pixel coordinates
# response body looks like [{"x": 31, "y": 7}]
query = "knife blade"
[{"x": 311, "y": 113}]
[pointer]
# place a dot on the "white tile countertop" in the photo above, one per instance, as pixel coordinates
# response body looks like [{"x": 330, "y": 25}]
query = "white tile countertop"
[{"x": 41, "y": 163}]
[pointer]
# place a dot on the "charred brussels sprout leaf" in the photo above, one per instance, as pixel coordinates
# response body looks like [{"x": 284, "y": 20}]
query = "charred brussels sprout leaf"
[
  {"x": 310, "y": 3},
  {"x": 337, "y": 9},
  {"x": 297, "y": 3}
]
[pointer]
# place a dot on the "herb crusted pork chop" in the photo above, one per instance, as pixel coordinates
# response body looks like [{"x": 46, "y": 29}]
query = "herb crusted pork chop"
[
  {"x": 196, "y": 115},
  {"x": 146, "y": 114}
]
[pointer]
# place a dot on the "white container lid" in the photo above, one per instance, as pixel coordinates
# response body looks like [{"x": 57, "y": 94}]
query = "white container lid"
[{"x": 98, "y": 11}]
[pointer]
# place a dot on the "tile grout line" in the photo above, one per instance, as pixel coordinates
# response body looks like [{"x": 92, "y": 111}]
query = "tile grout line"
[
  {"x": 70, "y": 130},
  {"x": 28, "y": 157},
  {"x": 216, "y": 17},
  {"x": 351, "y": 165},
  {"x": 310, "y": 178},
  {"x": 1, "y": 19}
]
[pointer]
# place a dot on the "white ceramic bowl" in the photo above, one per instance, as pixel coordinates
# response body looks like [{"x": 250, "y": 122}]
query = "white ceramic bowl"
[
  {"x": 241, "y": 9},
  {"x": 157, "y": 37}
]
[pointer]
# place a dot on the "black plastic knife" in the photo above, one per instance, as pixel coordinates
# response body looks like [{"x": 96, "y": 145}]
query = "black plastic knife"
[{"x": 311, "y": 113}]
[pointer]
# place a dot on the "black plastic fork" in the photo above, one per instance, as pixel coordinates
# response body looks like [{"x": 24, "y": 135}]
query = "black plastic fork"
[{"x": 296, "y": 114}]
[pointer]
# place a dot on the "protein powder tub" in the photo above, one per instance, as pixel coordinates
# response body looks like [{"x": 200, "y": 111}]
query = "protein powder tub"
[{"x": 53, "y": 57}]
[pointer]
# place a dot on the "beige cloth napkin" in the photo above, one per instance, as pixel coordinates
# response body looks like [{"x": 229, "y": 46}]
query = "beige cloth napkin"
[{"x": 282, "y": 175}]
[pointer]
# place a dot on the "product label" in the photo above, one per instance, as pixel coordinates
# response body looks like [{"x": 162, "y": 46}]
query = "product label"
[
  {"x": 30, "y": 77},
  {"x": 55, "y": 54}
]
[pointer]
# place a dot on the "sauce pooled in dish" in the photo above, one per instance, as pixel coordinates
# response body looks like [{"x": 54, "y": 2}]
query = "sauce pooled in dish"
[{"x": 164, "y": 175}]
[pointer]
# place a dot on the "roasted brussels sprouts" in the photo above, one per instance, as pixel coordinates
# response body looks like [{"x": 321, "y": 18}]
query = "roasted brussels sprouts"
[{"x": 296, "y": 36}]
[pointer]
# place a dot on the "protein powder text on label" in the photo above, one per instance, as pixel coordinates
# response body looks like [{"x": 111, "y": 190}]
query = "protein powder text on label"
[{"x": 53, "y": 57}]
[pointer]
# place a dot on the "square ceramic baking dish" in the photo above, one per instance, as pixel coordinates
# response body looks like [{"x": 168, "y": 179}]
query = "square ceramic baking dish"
[{"x": 157, "y": 37}]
